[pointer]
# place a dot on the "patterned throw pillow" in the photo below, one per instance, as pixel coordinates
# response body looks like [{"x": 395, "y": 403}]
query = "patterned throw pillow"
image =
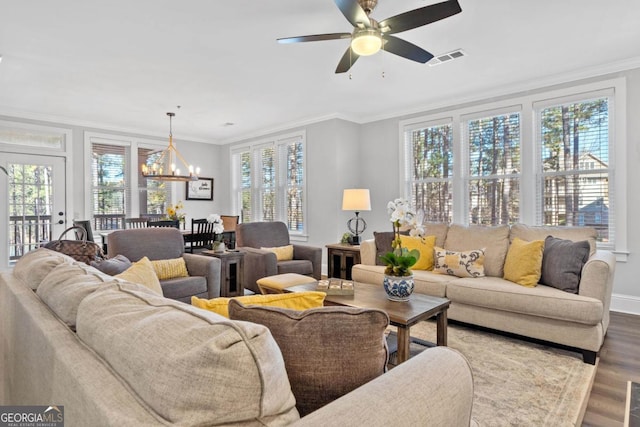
[
  {"x": 460, "y": 264},
  {"x": 170, "y": 268}
]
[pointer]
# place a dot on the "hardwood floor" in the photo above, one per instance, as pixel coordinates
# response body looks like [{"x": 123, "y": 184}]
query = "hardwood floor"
[{"x": 619, "y": 363}]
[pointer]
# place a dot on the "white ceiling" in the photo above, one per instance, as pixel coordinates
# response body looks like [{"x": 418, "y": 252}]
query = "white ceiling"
[{"x": 121, "y": 64}]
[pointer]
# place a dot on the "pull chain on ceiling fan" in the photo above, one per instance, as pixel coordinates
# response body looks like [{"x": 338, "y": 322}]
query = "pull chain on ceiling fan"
[{"x": 369, "y": 36}]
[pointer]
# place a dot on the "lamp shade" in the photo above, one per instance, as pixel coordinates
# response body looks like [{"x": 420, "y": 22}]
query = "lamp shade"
[{"x": 356, "y": 199}]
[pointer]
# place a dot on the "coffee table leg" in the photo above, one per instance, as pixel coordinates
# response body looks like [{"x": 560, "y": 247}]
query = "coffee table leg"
[
  {"x": 404, "y": 338},
  {"x": 441, "y": 319}
]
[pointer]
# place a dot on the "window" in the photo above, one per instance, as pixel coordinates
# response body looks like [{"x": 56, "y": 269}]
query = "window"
[
  {"x": 546, "y": 158},
  {"x": 269, "y": 182},
  {"x": 114, "y": 165},
  {"x": 493, "y": 144},
  {"x": 109, "y": 192},
  {"x": 429, "y": 171},
  {"x": 574, "y": 146}
]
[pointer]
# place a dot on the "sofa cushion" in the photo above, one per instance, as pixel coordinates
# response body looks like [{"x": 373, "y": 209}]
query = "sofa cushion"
[
  {"x": 190, "y": 366},
  {"x": 293, "y": 301},
  {"x": 112, "y": 266},
  {"x": 495, "y": 240},
  {"x": 543, "y": 301},
  {"x": 562, "y": 263},
  {"x": 523, "y": 264},
  {"x": 170, "y": 268},
  {"x": 33, "y": 266},
  {"x": 425, "y": 246},
  {"x": 327, "y": 351},
  {"x": 143, "y": 273},
  {"x": 66, "y": 286},
  {"x": 438, "y": 229},
  {"x": 575, "y": 234},
  {"x": 459, "y": 263}
]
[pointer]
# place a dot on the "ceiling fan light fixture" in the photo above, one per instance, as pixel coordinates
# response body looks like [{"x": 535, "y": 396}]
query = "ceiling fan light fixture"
[{"x": 366, "y": 42}]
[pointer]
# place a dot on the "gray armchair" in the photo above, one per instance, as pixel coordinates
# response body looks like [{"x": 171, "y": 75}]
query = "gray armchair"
[
  {"x": 168, "y": 243},
  {"x": 252, "y": 236}
]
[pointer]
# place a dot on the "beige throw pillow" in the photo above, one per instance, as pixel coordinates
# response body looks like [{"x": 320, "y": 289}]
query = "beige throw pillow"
[{"x": 460, "y": 264}]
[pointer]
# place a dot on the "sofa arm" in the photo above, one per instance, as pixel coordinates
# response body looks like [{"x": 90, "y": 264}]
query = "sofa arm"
[
  {"x": 434, "y": 388},
  {"x": 312, "y": 254},
  {"x": 257, "y": 264},
  {"x": 368, "y": 252},
  {"x": 209, "y": 267},
  {"x": 596, "y": 280}
]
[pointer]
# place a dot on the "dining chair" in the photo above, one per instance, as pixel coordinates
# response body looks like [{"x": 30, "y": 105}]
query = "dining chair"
[
  {"x": 136, "y": 223},
  {"x": 201, "y": 236},
  {"x": 86, "y": 224},
  {"x": 165, "y": 223},
  {"x": 229, "y": 222}
]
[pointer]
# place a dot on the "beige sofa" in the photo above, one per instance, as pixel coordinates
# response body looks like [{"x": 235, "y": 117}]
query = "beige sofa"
[
  {"x": 114, "y": 353},
  {"x": 542, "y": 312}
]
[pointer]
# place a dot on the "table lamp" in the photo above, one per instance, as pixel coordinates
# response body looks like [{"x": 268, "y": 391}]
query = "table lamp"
[{"x": 356, "y": 199}]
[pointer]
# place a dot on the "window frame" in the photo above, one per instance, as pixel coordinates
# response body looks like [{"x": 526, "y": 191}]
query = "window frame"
[
  {"x": 531, "y": 163},
  {"x": 278, "y": 143}
]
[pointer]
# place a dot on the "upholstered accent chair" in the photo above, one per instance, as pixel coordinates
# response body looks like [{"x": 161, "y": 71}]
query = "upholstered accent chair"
[
  {"x": 161, "y": 243},
  {"x": 259, "y": 263}
]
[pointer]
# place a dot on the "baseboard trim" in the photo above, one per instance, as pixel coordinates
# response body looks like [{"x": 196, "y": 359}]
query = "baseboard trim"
[{"x": 625, "y": 304}]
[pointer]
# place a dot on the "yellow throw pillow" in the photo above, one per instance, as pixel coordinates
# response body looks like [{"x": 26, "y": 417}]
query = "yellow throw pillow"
[
  {"x": 170, "y": 268},
  {"x": 523, "y": 264},
  {"x": 295, "y": 301},
  {"x": 142, "y": 272},
  {"x": 460, "y": 264},
  {"x": 283, "y": 253},
  {"x": 425, "y": 246}
]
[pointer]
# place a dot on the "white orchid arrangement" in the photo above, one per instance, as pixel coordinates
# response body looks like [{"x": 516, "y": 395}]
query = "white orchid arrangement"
[
  {"x": 218, "y": 226},
  {"x": 400, "y": 260}
]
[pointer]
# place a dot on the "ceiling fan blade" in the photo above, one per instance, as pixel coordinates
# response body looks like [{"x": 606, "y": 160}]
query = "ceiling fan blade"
[
  {"x": 348, "y": 59},
  {"x": 419, "y": 17},
  {"x": 353, "y": 12},
  {"x": 315, "y": 38},
  {"x": 405, "y": 49}
]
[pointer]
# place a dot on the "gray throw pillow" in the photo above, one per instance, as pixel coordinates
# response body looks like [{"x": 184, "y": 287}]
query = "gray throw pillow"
[
  {"x": 328, "y": 351},
  {"x": 562, "y": 263},
  {"x": 112, "y": 266}
]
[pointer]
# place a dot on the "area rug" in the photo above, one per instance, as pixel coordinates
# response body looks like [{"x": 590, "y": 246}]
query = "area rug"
[{"x": 516, "y": 382}]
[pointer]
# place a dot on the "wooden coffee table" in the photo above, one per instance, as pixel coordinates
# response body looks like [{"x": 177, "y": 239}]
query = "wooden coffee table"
[{"x": 403, "y": 315}]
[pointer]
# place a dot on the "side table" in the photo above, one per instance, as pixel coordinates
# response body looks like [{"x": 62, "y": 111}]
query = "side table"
[
  {"x": 231, "y": 272},
  {"x": 341, "y": 258}
]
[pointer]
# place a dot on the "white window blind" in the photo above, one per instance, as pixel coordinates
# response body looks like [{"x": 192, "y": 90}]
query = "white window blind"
[
  {"x": 576, "y": 171},
  {"x": 110, "y": 196},
  {"x": 429, "y": 169},
  {"x": 269, "y": 182},
  {"x": 153, "y": 196},
  {"x": 493, "y": 178}
]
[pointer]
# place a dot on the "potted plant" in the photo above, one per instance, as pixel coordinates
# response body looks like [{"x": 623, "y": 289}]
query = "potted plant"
[
  {"x": 218, "y": 229},
  {"x": 398, "y": 279}
]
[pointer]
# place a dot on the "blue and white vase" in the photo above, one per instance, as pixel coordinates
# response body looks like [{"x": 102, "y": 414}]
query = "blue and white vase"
[{"x": 398, "y": 288}]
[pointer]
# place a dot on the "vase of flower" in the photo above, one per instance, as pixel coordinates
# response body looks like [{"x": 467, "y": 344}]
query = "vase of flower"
[
  {"x": 217, "y": 245},
  {"x": 398, "y": 288},
  {"x": 398, "y": 280}
]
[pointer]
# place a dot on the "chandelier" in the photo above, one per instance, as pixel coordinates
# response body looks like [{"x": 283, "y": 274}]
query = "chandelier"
[{"x": 164, "y": 167}]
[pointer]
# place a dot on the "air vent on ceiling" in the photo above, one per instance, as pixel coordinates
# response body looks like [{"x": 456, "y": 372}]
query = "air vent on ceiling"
[{"x": 446, "y": 57}]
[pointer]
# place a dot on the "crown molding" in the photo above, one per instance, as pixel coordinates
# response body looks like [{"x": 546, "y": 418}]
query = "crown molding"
[{"x": 93, "y": 126}]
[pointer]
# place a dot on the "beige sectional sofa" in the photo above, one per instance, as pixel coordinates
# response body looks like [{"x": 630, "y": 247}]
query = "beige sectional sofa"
[
  {"x": 114, "y": 353},
  {"x": 542, "y": 312}
]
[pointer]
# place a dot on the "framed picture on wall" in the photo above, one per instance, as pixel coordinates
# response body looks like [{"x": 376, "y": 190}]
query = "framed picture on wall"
[{"x": 202, "y": 189}]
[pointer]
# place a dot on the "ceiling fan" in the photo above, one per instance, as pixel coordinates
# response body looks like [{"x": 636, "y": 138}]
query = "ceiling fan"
[{"x": 369, "y": 35}]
